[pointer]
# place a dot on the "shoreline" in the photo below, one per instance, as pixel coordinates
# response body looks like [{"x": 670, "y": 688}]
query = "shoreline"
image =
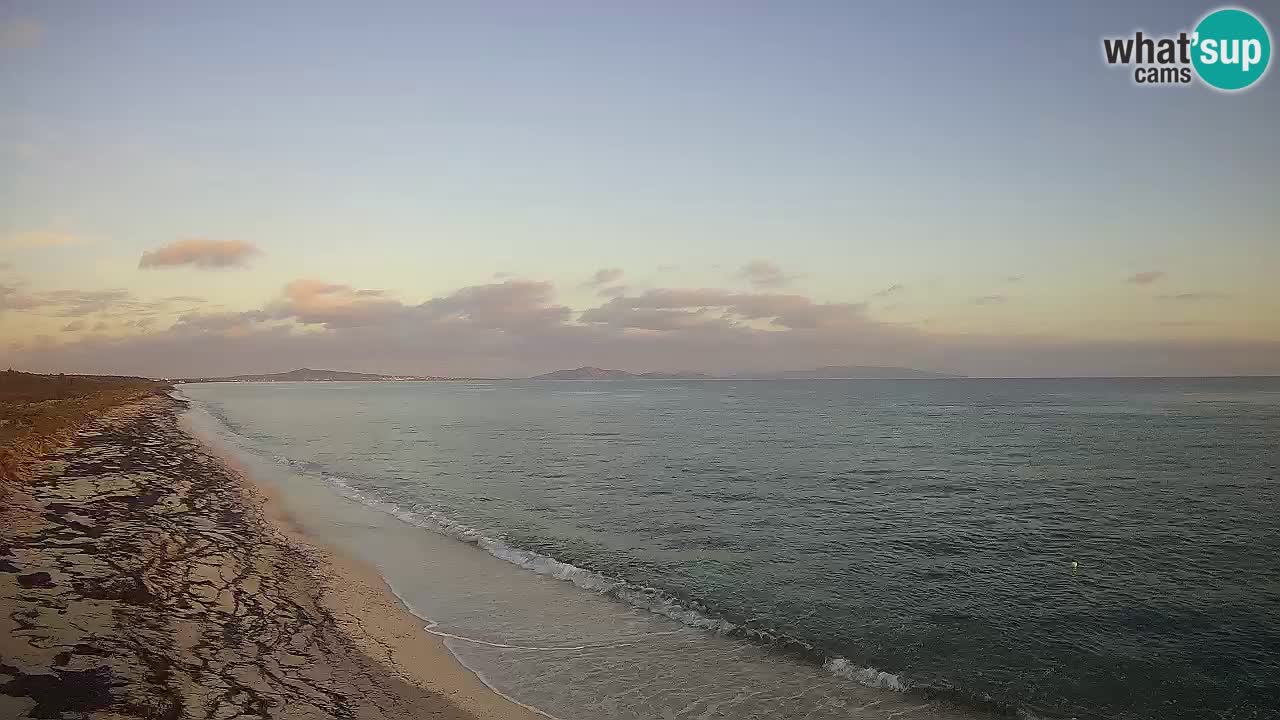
[
  {"x": 143, "y": 574},
  {"x": 370, "y": 612},
  {"x": 394, "y": 543}
]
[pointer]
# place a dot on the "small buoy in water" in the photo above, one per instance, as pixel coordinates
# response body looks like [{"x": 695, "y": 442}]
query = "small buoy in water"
[{"x": 1074, "y": 566}]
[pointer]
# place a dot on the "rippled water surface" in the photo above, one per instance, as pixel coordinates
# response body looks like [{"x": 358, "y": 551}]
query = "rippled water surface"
[{"x": 913, "y": 536}]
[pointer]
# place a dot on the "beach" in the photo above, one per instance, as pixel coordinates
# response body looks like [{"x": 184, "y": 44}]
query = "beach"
[
  {"x": 141, "y": 575},
  {"x": 480, "y": 550}
]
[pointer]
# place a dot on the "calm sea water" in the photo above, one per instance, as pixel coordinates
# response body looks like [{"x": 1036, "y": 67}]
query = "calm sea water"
[{"x": 783, "y": 546}]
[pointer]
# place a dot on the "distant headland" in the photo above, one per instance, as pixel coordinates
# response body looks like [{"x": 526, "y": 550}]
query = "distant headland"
[
  {"x": 309, "y": 375},
  {"x": 830, "y": 372}
]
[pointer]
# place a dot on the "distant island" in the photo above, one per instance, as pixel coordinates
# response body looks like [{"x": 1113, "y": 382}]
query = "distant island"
[{"x": 830, "y": 372}]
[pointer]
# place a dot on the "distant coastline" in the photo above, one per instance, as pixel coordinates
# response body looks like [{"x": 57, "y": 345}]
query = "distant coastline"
[
  {"x": 309, "y": 375},
  {"x": 586, "y": 372}
]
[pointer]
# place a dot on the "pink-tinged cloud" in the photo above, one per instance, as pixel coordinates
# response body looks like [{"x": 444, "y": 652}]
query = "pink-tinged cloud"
[
  {"x": 517, "y": 328},
  {"x": 314, "y": 302},
  {"x": 1145, "y": 278},
  {"x": 201, "y": 253},
  {"x": 764, "y": 274}
]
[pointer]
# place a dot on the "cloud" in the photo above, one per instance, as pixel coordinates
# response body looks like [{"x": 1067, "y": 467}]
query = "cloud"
[
  {"x": 40, "y": 239},
  {"x": 990, "y": 300},
  {"x": 1195, "y": 296},
  {"x": 314, "y": 302},
  {"x": 1145, "y": 278},
  {"x": 892, "y": 289},
  {"x": 514, "y": 305},
  {"x": 764, "y": 274},
  {"x": 11, "y": 298},
  {"x": 518, "y": 328},
  {"x": 141, "y": 323},
  {"x": 604, "y": 282},
  {"x": 604, "y": 276},
  {"x": 670, "y": 308},
  {"x": 228, "y": 323},
  {"x": 20, "y": 34},
  {"x": 200, "y": 253},
  {"x": 112, "y": 302}
]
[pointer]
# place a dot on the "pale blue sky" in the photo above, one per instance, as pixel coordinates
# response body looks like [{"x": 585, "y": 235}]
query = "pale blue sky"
[{"x": 421, "y": 147}]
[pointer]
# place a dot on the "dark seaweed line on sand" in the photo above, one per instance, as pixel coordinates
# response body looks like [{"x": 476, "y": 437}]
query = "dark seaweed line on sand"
[{"x": 146, "y": 583}]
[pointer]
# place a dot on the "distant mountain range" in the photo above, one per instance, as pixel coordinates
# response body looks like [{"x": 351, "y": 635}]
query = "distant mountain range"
[
  {"x": 830, "y": 372},
  {"x": 309, "y": 375},
  {"x": 851, "y": 372}
]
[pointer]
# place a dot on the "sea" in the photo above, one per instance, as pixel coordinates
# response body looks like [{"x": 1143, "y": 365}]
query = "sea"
[{"x": 953, "y": 548}]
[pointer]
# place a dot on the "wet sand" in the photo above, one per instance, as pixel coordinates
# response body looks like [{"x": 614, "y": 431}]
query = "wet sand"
[{"x": 142, "y": 576}]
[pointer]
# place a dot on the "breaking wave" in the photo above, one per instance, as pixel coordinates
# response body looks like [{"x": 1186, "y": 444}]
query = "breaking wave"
[
  {"x": 654, "y": 600},
  {"x": 647, "y": 598}
]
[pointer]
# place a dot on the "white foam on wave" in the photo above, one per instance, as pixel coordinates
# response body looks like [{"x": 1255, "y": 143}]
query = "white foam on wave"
[
  {"x": 555, "y": 648},
  {"x": 646, "y": 598},
  {"x": 650, "y": 599},
  {"x": 868, "y": 676}
]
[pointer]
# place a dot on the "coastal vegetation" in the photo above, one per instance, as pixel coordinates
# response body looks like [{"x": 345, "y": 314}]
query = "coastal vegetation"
[{"x": 42, "y": 412}]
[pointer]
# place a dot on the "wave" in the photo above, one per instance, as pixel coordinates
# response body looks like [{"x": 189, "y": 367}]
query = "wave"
[
  {"x": 553, "y": 648},
  {"x": 865, "y": 676},
  {"x": 654, "y": 600}
]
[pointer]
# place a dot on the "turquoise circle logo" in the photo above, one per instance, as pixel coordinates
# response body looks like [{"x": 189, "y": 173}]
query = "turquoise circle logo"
[{"x": 1232, "y": 49}]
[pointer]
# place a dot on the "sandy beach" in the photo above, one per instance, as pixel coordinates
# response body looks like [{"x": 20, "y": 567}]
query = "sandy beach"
[{"x": 142, "y": 575}]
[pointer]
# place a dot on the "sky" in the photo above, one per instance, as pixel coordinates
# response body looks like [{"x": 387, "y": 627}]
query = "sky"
[{"x": 506, "y": 188}]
